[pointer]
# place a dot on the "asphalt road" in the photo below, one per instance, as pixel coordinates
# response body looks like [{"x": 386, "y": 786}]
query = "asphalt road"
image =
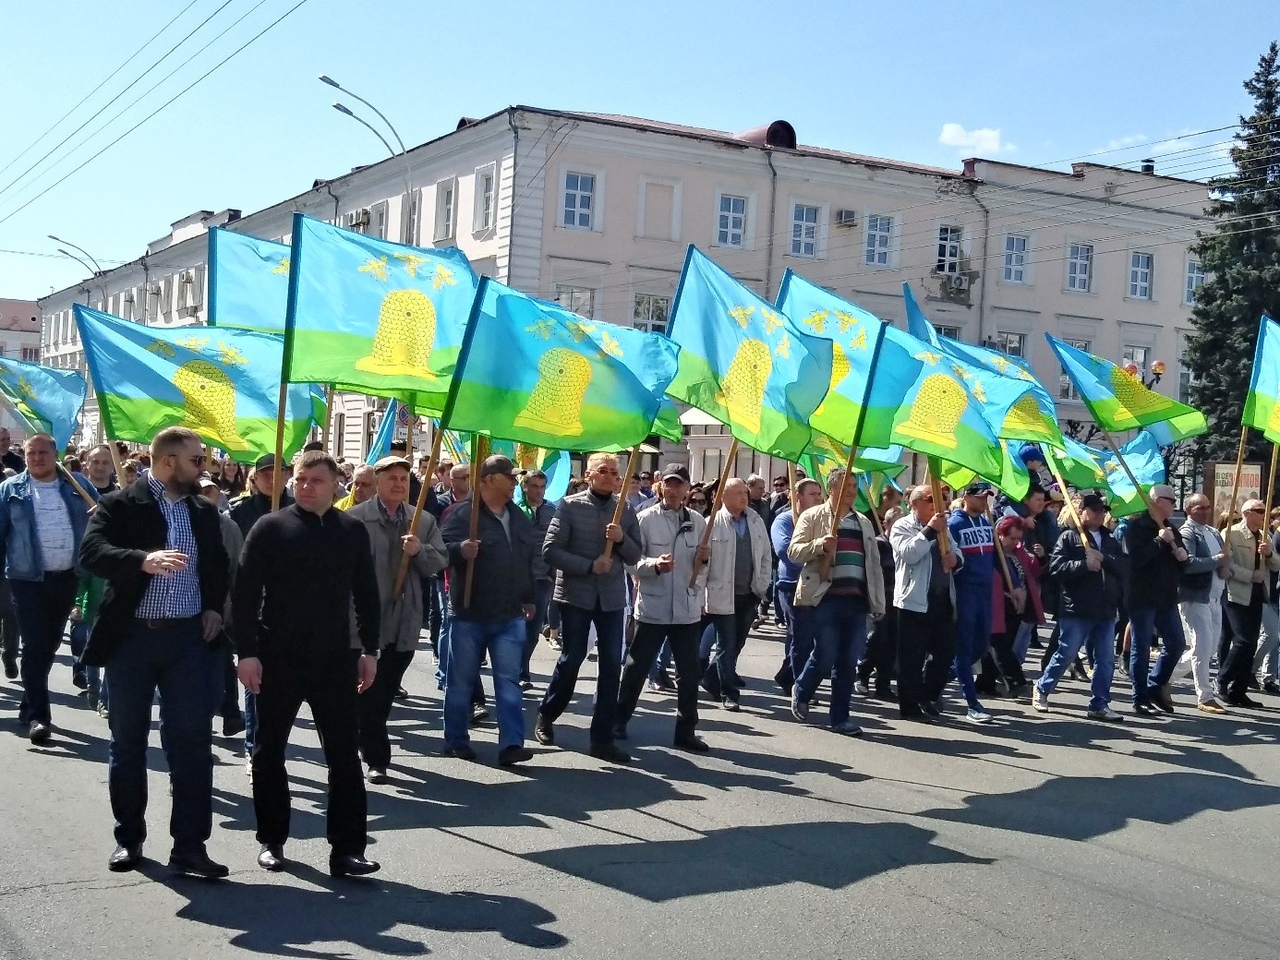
[{"x": 1041, "y": 837}]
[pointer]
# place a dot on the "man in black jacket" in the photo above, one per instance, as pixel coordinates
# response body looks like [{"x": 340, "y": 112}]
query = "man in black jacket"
[
  {"x": 1090, "y": 569},
  {"x": 159, "y": 548},
  {"x": 300, "y": 571},
  {"x": 256, "y": 504},
  {"x": 1156, "y": 556},
  {"x": 502, "y": 601}
]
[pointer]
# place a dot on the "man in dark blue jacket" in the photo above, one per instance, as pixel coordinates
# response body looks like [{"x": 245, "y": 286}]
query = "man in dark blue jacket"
[
  {"x": 1090, "y": 569},
  {"x": 972, "y": 533}
]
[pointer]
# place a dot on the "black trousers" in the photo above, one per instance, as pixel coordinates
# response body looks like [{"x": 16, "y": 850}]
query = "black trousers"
[
  {"x": 999, "y": 661},
  {"x": 926, "y": 649},
  {"x": 644, "y": 648},
  {"x": 9, "y": 642},
  {"x": 328, "y": 686},
  {"x": 375, "y": 706},
  {"x": 1237, "y": 667},
  {"x": 882, "y": 653}
]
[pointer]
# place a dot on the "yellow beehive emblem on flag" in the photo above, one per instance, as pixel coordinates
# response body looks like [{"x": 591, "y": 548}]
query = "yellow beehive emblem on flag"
[
  {"x": 209, "y": 399},
  {"x": 936, "y": 411},
  {"x": 1273, "y": 421},
  {"x": 405, "y": 336},
  {"x": 1025, "y": 415},
  {"x": 742, "y": 389},
  {"x": 527, "y": 456},
  {"x": 555, "y": 405},
  {"x": 839, "y": 370},
  {"x": 1134, "y": 398}
]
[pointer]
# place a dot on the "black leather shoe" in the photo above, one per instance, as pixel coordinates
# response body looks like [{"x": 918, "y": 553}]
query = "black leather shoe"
[
  {"x": 460, "y": 753},
  {"x": 692, "y": 744},
  {"x": 125, "y": 859},
  {"x": 510, "y": 756},
  {"x": 38, "y": 732},
  {"x": 10, "y": 669},
  {"x": 233, "y": 725},
  {"x": 544, "y": 732},
  {"x": 197, "y": 865},
  {"x": 931, "y": 709},
  {"x": 352, "y": 865},
  {"x": 620, "y": 731},
  {"x": 1271, "y": 687},
  {"x": 1162, "y": 699},
  {"x": 1244, "y": 700},
  {"x": 609, "y": 752},
  {"x": 272, "y": 857},
  {"x": 917, "y": 715}
]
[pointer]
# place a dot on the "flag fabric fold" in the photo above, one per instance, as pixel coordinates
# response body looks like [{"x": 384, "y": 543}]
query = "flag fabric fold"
[
  {"x": 42, "y": 399},
  {"x": 372, "y": 316},
  {"x": 1262, "y": 402},
  {"x": 744, "y": 362},
  {"x": 1144, "y": 458},
  {"x": 248, "y": 282},
  {"x": 535, "y": 373},
  {"x": 222, "y": 383},
  {"x": 386, "y": 435},
  {"x": 1117, "y": 399}
]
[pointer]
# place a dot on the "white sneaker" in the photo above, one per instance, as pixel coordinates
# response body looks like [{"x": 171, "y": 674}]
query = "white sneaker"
[
  {"x": 1039, "y": 701},
  {"x": 1106, "y": 714},
  {"x": 860, "y": 688},
  {"x": 978, "y": 715}
]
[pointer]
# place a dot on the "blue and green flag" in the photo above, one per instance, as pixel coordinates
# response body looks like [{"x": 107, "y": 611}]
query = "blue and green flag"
[
  {"x": 43, "y": 400},
  {"x": 1118, "y": 400},
  {"x": 1145, "y": 460},
  {"x": 222, "y": 383},
  {"x": 248, "y": 282},
  {"x": 1081, "y": 466},
  {"x": 1262, "y": 402},
  {"x": 535, "y": 373},
  {"x": 372, "y": 316},
  {"x": 1017, "y": 403},
  {"x": 744, "y": 362}
]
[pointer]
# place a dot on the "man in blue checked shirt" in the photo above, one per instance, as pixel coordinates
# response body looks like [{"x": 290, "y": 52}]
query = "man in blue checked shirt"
[{"x": 159, "y": 547}]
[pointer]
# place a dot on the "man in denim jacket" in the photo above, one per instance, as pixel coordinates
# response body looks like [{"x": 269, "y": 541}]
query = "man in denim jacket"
[{"x": 42, "y": 521}]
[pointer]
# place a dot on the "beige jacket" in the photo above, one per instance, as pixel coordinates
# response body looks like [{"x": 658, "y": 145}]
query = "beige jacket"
[
  {"x": 1242, "y": 545},
  {"x": 806, "y": 547}
]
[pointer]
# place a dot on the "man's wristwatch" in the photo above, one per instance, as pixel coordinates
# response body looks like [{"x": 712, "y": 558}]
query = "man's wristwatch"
[{"x": 376, "y": 656}]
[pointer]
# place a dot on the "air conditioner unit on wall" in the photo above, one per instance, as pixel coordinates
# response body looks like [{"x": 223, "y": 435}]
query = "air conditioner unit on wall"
[
  {"x": 958, "y": 281},
  {"x": 357, "y": 219},
  {"x": 846, "y": 218}
]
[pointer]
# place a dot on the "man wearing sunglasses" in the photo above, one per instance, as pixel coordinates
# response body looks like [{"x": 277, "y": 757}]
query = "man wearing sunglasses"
[
  {"x": 1156, "y": 558},
  {"x": 1248, "y": 590}
]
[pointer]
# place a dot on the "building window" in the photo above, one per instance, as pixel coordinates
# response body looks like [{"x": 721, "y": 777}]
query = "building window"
[
  {"x": 1012, "y": 344},
  {"x": 1186, "y": 379},
  {"x": 951, "y": 332},
  {"x": 1015, "y": 259},
  {"x": 879, "y": 233},
  {"x": 804, "y": 231},
  {"x": 1140, "y": 276},
  {"x": 446, "y": 193},
  {"x": 732, "y": 226},
  {"x": 339, "y": 434},
  {"x": 409, "y": 219},
  {"x": 948, "y": 249},
  {"x": 579, "y": 300},
  {"x": 31, "y": 354},
  {"x": 1066, "y": 389},
  {"x": 650, "y": 312},
  {"x": 1137, "y": 356},
  {"x": 485, "y": 179},
  {"x": 579, "y": 200},
  {"x": 1195, "y": 280},
  {"x": 1079, "y": 267}
]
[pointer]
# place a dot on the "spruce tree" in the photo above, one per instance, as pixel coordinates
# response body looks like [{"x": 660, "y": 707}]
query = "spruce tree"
[{"x": 1241, "y": 259}]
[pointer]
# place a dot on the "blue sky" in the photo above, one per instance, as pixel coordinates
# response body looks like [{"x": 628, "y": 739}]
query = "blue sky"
[{"x": 918, "y": 80}]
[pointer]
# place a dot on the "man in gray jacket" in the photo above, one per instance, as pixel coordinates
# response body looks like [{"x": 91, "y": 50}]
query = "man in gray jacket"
[
  {"x": 590, "y": 591},
  {"x": 387, "y": 518},
  {"x": 1203, "y": 579},
  {"x": 667, "y": 608},
  {"x": 924, "y": 598}
]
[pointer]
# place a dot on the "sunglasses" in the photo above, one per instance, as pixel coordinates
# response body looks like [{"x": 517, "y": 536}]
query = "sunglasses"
[
  {"x": 699, "y": 501},
  {"x": 1173, "y": 501},
  {"x": 1255, "y": 510}
]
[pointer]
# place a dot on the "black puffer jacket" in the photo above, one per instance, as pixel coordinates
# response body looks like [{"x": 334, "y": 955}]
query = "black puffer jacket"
[
  {"x": 1091, "y": 595},
  {"x": 1153, "y": 571}
]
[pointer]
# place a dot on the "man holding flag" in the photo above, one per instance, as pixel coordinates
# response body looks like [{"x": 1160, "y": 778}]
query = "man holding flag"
[{"x": 972, "y": 533}]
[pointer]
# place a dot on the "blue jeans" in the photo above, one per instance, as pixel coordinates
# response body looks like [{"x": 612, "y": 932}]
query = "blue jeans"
[
  {"x": 250, "y": 723},
  {"x": 575, "y": 630},
  {"x": 1143, "y": 623},
  {"x": 175, "y": 660},
  {"x": 1022, "y": 642},
  {"x": 839, "y": 637},
  {"x": 1077, "y": 632},
  {"x": 784, "y": 596},
  {"x": 533, "y": 626},
  {"x": 973, "y": 637},
  {"x": 731, "y": 636},
  {"x": 469, "y": 640},
  {"x": 442, "y": 642},
  {"x": 43, "y": 608},
  {"x": 662, "y": 662}
]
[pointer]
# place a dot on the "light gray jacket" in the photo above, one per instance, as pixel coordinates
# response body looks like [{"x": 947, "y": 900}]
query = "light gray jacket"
[
  {"x": 812, "y": 528},
  {"x": 576, "y": 538},
  {"x": 401, "y": 616},
  {"x": 1202, "y": 544},
  {"x": 913, "y": 547},
  {"x": 667, "y": 597},
  {"x": 724, "y": 560}
]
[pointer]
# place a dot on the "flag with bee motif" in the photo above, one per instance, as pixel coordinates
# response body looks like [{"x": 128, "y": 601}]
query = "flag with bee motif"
[
  {"x": 1017, "y": 403},
  {"x": 42, "y": 399},
  {"x": 534, "y": 373},
  {"x": 224, "y": 384},
  {"x": 248, "y": 282},
  {"x": 1117, "y": 399},
  {"x": 372, "y": 316},
  {"x": 745, "y": 362}
]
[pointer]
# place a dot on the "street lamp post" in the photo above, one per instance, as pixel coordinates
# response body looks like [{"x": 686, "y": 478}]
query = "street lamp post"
[{"x": 96, "y": 274}]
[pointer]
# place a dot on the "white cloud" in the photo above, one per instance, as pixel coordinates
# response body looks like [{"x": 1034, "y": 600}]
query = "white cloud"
[
  {"x": 984, "y": 141},
  {"x": 1119, "y": 143}
]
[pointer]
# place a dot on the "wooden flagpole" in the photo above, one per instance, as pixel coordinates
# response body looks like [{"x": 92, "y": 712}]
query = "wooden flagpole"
[
  {"x": 479, "y": 452},
  {"x": 1146, "y": 499},
  {"x": 715, "y": 507},
  {"x": 417, "y": 510},
  {"x": 791, "y": 483},
  {"x": 328, "y": 420},
  {"x": 825, "y": 567},
  {"x": 1062, "y": 485},
  {"x": 622, "y": 496},
  {"x": 935, "y": 481},
  {"x": 1235, "y": 483}
]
